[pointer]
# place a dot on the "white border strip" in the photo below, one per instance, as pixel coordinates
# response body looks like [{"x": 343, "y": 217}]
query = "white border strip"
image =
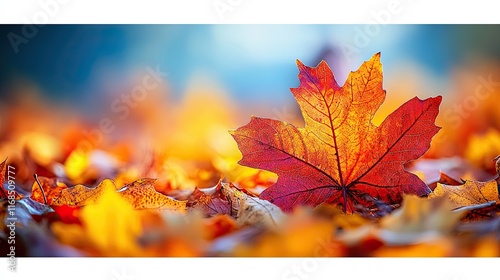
[
  {"x": 243, "y": 11},
  {"x": 252, "y": 268}
]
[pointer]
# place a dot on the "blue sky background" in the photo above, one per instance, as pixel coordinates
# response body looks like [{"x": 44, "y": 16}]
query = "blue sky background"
[{"x": 76, "y": 63}]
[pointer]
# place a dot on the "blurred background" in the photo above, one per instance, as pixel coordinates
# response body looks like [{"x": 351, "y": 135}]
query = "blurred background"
[{"x": 81, "y": 102}]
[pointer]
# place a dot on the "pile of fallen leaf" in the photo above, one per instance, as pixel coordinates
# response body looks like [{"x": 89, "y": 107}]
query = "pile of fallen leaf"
[{"x": 343, "y": 188}]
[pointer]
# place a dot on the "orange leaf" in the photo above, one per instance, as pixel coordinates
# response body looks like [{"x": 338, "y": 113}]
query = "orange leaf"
[
  {"x": 141, "y": 194},
  {"x": 218, "y": 226},
  {"x": 49, "y": 188},
  {"x": 340, "y": 156}
]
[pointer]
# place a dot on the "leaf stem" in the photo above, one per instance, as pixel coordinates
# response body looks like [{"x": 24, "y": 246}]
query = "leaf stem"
[{"x": 40, "y": 185}]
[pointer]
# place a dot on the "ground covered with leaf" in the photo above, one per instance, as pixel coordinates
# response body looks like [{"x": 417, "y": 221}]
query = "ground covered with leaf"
[{"x": 337, "y": 184}]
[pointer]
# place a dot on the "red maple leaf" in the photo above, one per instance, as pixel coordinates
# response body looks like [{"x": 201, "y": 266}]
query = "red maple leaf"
[{"x": 340, "y": 156}]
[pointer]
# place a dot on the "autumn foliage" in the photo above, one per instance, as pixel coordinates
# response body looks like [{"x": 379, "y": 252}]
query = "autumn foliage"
[
  {"x": 340, "y": 185},
  {"x": 340, "y": 157}
]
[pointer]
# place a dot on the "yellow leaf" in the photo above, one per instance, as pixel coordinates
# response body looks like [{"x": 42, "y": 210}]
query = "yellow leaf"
[
  {"x": 468, "y": 194},
  {"x": 419, "y": 219},
  {"x": 111, "y": 226},
  {"x": 76, "y": 164},
  {"x": 43, "y": 148},
  {"x": 482, "y": 148}
]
